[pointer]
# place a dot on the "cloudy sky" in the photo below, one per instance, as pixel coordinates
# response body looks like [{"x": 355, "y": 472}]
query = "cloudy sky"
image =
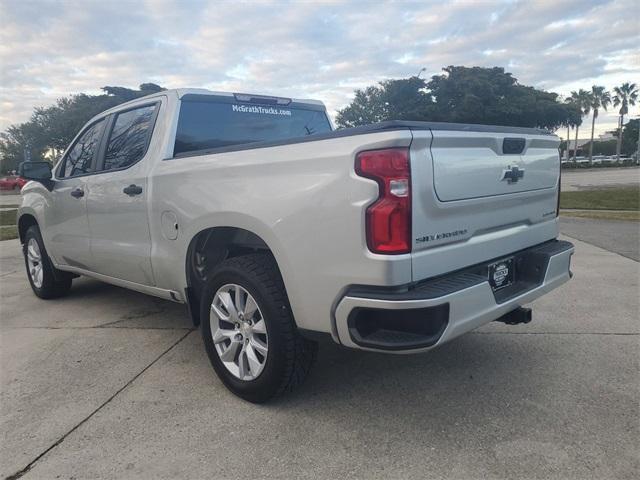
[{"x": 321, "y": 50}]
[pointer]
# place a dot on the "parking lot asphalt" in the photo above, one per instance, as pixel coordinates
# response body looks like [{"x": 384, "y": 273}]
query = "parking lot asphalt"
[
  {"x": 581, "y": 179},
  {"x": 108, "y": 383},
  {"x": 618, "y": 236}
]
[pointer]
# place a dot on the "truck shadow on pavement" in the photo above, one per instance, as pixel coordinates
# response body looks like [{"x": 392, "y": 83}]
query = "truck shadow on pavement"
[
  {"x": 481, "y": 401},
  {"x": 441, "y": 378}
]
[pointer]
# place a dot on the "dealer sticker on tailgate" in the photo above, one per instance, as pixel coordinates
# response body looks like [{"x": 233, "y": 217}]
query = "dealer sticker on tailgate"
[{"x": 501, "y": 274}]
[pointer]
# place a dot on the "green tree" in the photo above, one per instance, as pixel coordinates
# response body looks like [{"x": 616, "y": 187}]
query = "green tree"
[
  {"x": 624, "y": 95},
  {"x": 19, "y": 141},
  {"x": 460, "y": 94},
  {"x": 631, "y": 141},
  {"x": 50, "y": 129},
  {"x": 599, "y": 98},
  {"x": 606, "y": 147},
  {"x": 491, "y": 96},
  {"x": 401, "y": 99},
  {"x": 581, "y": 102}
]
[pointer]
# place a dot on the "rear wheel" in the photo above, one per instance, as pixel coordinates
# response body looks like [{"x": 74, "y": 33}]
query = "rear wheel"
[
  {"x": 249, "y": 331},
  {"x": 46, "y": 281}
]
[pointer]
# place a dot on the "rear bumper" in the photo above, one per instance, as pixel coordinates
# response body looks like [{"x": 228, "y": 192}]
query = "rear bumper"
[{"x": 424, "y": 315}]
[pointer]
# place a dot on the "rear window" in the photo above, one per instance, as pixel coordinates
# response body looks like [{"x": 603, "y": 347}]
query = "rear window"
[
  {"x": 208, "y": 125},
  {"x": 129, "y": 137}
]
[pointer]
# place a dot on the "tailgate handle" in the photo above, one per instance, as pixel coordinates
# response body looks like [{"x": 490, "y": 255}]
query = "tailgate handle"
[{"x": 512, "y": 146}]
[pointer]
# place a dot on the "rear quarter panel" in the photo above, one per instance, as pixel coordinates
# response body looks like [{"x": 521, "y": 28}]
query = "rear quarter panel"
[{"x": 304, "y": 200}]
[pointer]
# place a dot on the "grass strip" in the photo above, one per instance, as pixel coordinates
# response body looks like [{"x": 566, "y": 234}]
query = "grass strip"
[
  {"x": 615, "y": 198},
  {"x": 8, "y": 232},
  {"x": 8, "y": 217}
]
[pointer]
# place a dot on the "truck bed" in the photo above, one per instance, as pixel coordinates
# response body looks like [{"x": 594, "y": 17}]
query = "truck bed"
[{"x": 386, "y": 126}]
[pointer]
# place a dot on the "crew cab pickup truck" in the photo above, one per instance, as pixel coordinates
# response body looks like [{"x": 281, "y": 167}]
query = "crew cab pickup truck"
[{"x": 275, "y": 229}]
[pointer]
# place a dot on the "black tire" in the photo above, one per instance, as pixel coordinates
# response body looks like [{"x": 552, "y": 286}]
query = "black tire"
[
  {"x": 290, "y": 356},
  {"x": 55, "y": 283}
]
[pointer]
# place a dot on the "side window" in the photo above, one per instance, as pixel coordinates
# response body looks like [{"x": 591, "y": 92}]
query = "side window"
[
  {"x": 129, "y": 137},
  {"x": 79, "y": 159}
]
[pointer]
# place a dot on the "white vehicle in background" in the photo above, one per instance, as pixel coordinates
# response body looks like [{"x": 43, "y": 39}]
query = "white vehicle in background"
[{"x": 274, "y": 230}]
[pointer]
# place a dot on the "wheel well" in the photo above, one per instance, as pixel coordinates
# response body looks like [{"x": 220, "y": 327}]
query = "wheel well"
[
  {"x": 24, "y": 223},
  {"x": 207, "y": 250}
]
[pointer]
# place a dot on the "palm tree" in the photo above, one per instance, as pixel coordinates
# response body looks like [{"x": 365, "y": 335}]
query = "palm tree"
[
  {"x": 600, "y": 98},
  {"x": 574, "y": 117},
  {"x": 625, "y": 95},
  {"x": 581, "y": 100},
  {"x": 569, "y": 123}
]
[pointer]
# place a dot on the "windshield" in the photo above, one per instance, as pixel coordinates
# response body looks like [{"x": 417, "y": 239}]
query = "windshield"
[{"x": 203, "y": 124}]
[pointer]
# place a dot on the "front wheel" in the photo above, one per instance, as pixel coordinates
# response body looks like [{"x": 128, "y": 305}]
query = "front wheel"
[
  {"x": 249, "y": 332},
  {"x": 46, "y": 281}
]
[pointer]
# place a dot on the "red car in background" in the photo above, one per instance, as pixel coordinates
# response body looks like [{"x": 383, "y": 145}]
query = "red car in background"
[{"x": 12, "y": 182}]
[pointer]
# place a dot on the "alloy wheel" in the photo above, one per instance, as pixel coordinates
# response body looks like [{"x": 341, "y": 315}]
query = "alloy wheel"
[
  {"x": 239, "y": 332},
  {"x": 34, "y": 260}
]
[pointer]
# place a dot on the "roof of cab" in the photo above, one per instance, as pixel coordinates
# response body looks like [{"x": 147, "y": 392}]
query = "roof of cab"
[{"x": 181, "y": 92}]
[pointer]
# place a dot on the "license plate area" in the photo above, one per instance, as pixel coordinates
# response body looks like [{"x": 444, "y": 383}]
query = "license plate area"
[{"x": 502, "y": 273}]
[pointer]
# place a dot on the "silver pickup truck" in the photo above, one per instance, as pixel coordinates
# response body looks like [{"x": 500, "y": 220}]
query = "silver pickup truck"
[{"x": 275, "y": 229}]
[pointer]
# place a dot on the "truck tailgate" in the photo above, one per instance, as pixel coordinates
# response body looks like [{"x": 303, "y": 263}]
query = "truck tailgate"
[
  {"x": 478, "y": 196},
  {"x": 471, "y": 165}
]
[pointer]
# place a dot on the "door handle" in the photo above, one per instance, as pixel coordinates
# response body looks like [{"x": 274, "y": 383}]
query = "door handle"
[
  {"x": 77, "y": 193},
  {"x": 132, "y": 190}
]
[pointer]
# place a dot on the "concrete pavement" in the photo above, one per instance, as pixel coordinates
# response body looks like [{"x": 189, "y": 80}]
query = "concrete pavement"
[
  {"x": 9, "y": 198},
  {"x": 108, "y": 383}
]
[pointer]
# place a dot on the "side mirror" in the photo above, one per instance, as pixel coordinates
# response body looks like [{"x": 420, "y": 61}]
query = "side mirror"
[
  {"x": 35, "y": 170},
  {"x": 38, "y": 171}
]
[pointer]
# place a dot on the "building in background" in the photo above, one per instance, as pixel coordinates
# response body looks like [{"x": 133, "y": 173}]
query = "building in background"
[{"x": 582, "y": 143}]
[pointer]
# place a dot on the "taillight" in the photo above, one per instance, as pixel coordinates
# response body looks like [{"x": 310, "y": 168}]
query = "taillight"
[
  {"x": 559, "y": 189},
  {"x": 388, "y": 219}
]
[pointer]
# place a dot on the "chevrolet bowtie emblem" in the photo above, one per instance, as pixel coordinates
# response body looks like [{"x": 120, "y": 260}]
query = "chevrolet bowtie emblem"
[{"x": 512, "y": 174}]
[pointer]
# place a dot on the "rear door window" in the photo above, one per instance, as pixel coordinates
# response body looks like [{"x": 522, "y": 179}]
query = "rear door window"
[
  {"x": 129, "y": 137},
  {"x": 79, "y": 160},
  {"x": 204, "y": 125}
]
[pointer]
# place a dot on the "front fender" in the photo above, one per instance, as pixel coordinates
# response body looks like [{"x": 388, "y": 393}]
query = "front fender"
[{"x": 35, "y": 199}]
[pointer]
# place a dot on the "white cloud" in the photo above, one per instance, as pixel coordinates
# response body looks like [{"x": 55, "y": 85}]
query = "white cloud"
[{"x": 324, "y": 50}]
